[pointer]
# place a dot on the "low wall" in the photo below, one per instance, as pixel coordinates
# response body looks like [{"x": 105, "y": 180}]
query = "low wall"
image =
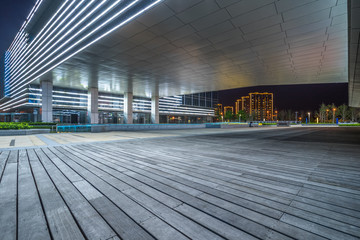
[
  {"x": 142, "y": 127},
  {"x": 227, "y": 125},
  {"x": 23, "y": 132}
]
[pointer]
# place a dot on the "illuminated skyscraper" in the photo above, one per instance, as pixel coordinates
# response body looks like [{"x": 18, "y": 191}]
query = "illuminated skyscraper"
[
  {"x": 245, "y": 104},
  {"x": 238, "y": 105},
  {"x": 261, "y": 106}
]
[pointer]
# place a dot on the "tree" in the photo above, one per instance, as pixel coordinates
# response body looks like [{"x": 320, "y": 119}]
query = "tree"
[
  {"x": 290, "y": 115},
  {"x": 343, "y": 112},
  {"x": 355, "y": 114},
  {"x": 317, "y": 115},
  {"x": 322, "y": 112},
  {"x": 282, "y": 115},
  {"x": 334, "y": 111},
  {"x": 228, "y": 115},
  {"x": 218, "y": 115},
  {"x": 242, "y": 115}
]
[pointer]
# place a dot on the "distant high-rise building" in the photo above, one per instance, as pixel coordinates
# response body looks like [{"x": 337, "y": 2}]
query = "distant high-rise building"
[
  {"x": 258, "y": 105},
  {"x": 245, "y": 101},
  {"x": 261, "y": 106},
  {"x": 238, "y": 105}
]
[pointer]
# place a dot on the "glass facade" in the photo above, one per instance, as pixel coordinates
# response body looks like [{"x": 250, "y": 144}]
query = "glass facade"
[{"x": 70, "y": 107}]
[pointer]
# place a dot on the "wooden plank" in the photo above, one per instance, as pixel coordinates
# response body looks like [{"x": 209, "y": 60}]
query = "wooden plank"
[
  {"x": 191, "y": 229},
  {"x": 241, "y": 222},
  {"x": 140, "y": 214},
  {"x": 118, "y": 220},
  {"x": 316, "y": 228},
  {"x": 31, "y": 220},
  {"x": 329, "y": 222},
  {"x": 60, "y": 220},
  {"x": 330, "y": 198},
  {"x": 91, "y": 223},
  {"x": 284, "y": 228},
  {"x": 340, "y": 216},
  {"x": 214, "y": 225},
  {"x": 165, "y": 213},
  {"x": 330, "y": 207},
  {"x": 244, "y": 192},
  {"x": 3, "y": 159},
  {"x": 8, "y": 199},
  {"x": 212, "y": 182}
]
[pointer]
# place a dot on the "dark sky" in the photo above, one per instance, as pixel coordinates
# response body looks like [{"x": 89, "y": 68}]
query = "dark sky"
[
  {"x": 13, "y": 13},
  {"x": 305, "y": 97}
]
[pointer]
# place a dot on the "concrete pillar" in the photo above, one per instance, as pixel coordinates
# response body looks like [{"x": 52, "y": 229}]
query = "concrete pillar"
[
  {"x": 93, "y": 106},
  {"x": 128, "y": 109},
  {"x": 155, "y": 109},
  {"x": 46, "y": 99}
]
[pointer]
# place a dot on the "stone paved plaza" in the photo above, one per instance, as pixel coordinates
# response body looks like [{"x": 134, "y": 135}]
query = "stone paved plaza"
[{"x": 274, "y": 183}]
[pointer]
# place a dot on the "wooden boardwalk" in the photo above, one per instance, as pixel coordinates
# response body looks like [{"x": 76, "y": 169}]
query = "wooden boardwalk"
[{"x": 277, "y": 184}]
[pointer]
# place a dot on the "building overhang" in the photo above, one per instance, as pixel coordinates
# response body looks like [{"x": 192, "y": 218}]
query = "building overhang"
[
  {"x": 188, "y": 46},
  {"x": 354, "y": 61}
]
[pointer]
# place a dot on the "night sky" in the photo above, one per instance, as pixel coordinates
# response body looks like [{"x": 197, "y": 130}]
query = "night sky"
[
  {"x": 296, "y": 97},
  {"x": 305, "y": 97}
]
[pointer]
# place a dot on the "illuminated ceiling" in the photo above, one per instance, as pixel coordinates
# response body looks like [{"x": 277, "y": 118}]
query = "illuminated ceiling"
[{"x": 203, "y": 45}]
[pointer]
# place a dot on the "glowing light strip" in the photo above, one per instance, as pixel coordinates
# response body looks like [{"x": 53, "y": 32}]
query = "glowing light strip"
[
  {"x": 69, "y": 31},
  {"x": 59, "y": 100},
  {"x": 37, "y": 4},
  {"x": 18, "y": 42},
  {"x": 32, "y": 13},
  {"x": 81, "y": 49},
  {"x": 111, "y": 97},
  {"x": 60, "y": 96},
  {"x": 24, "y": 99},
  {"x": 83, "y": 19},
  {"x": 13, "y": 51},
  {"x": 108, "y": 104},
  {"x": 47, "y": 35},
  {"x": 11, "y": 100},
  {"x": 57, "y": 26},
  {"x": 70, "y": 93},
  {"x": 113, "y": 101},
  {"x": 33, "y": 43},
  {"x": 73, "y": 36},
  {"x": 113, "y": 109},
  {"x": 65, "y": 101},
  {"x": 67, "y": 106},
  {"x": 15, "y": 107}
]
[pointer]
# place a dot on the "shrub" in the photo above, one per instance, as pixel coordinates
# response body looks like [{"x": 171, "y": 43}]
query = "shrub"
[{"x": 13, "y": 125}]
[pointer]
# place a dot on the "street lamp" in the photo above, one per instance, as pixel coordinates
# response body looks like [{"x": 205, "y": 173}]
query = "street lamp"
[
  {"x": 327, "y": 112},
  {"x": 309, "y": 116},
  {"x": 334, "y": 109}
]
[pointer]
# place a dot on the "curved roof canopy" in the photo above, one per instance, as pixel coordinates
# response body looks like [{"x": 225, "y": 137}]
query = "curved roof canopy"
[{"x": 192, "y": 46}]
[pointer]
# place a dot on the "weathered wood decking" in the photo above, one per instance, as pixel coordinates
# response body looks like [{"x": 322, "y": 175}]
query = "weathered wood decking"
[{"x": 295, "y": 183}]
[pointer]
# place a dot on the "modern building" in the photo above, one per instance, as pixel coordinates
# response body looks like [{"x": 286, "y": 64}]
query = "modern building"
[
  {"x": 238, "y": 105},
  {"x": 261, "y": 106},
  {"x": 245, "y": 104},
  {"x": 135, "y": 61}
]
